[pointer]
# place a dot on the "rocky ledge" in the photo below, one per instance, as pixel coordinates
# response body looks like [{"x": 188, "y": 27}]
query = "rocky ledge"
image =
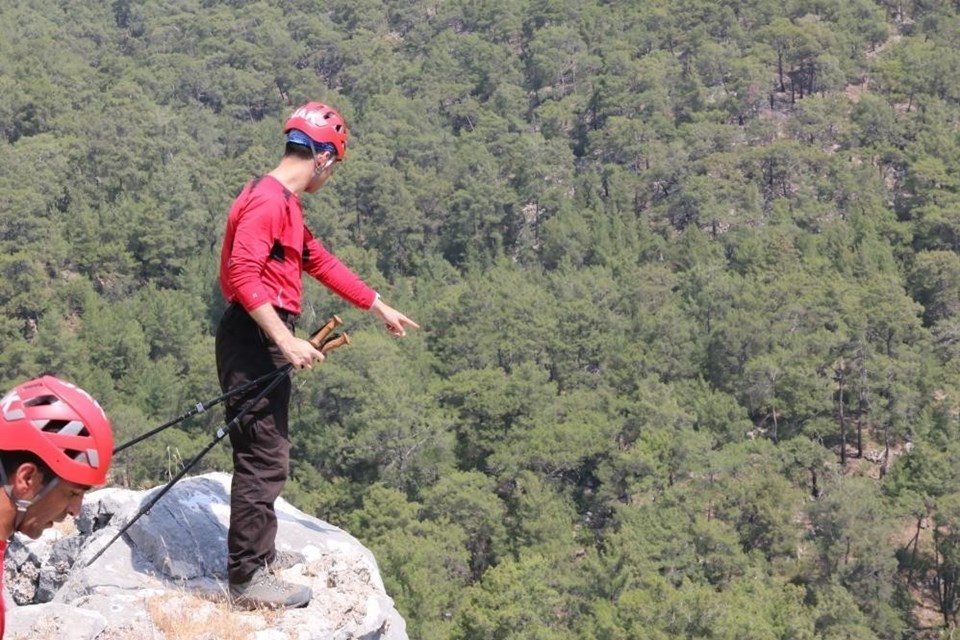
[{"x": 165, "y": 578}]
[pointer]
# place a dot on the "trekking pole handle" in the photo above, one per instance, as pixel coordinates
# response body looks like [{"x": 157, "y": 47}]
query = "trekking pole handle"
[
  {"x": 321, "y": 334},
  {"x": 333, "y": 343}
]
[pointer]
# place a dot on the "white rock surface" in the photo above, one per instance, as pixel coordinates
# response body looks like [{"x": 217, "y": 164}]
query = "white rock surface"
[{"x": 167, "y": 575}]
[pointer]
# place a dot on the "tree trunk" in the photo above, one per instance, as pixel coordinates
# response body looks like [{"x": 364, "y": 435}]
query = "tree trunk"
[
  {"x": 916, "y": 547},
  {"x": 886, "y": 450},
  {"x": 843, "y": 424},
  {"x": 860, "y": 439},
  {"x": 863, "y": 408},
  {"x": 780, "y": 71}
]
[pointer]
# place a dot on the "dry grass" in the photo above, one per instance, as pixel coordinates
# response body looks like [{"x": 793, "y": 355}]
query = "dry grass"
[
  {"x": 175, "y": 616},
  {"x": 186, "y": 617}
]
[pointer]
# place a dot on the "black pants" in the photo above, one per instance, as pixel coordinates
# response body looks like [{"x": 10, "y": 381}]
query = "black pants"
[{"x": 261, "y": 445}]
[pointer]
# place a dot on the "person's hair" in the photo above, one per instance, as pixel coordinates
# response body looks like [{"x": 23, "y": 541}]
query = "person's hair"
[
  {"x": 292, "y": 149},
  {"x": 11, "y": 461},
  {"x": 299, "y": 151}
]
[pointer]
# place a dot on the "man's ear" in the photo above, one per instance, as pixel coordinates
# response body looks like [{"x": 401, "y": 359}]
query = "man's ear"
[{"x": 27, "y": 480}]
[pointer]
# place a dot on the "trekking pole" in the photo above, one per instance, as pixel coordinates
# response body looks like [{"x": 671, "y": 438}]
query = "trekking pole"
[
  {"x": 199, "y": 408},
  {"x": 318, "y": 340},
  {"x": 222, "y": 432}
]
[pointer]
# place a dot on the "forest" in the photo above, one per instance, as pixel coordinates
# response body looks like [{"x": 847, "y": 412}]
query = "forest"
[{"x": 688, "y": 275}]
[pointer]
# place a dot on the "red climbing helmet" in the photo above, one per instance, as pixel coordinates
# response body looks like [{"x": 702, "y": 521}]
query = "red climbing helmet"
[
  {"x": 322, "y": 124},
  {"x": 62, "y": 425}
]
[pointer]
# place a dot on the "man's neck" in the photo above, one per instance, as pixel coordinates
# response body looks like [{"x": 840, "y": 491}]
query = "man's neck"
[{"x": 293, "y": 173}]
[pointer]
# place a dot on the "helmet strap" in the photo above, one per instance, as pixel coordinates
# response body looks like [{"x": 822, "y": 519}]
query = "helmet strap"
[{"x": 313, "y": 149}]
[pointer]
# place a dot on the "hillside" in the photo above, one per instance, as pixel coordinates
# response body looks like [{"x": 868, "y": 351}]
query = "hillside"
[{"x": 687, "y": 272}]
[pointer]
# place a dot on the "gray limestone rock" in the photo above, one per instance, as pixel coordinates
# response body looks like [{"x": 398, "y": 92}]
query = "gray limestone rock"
[
  {"x": 168, "y": 571},
  {"x": 54, "y": 620}
]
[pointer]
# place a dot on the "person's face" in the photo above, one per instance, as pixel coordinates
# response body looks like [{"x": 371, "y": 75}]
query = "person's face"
[{"x": 64, "y": 499}]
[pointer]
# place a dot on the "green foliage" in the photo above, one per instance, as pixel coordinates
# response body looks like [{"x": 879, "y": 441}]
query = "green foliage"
[
  {"x": 425, "y": 563},
  {"x": 664, "y": 254},
  {"x": 516, "y": 600},
  {"x": 466, "y": 499}
]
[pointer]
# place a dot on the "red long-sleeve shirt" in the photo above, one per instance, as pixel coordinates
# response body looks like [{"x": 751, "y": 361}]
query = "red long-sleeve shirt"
[{"x": 267, "y": 247}]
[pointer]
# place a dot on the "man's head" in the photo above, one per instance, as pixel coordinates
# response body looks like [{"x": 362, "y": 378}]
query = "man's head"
[
  {"x": 55, "y": 444},
  {"x": 316, "y": 132}
]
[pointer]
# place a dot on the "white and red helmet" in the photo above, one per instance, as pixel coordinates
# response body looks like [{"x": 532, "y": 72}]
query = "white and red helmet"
[
  {"x": 322, "y": 124},
  {"x": 60, "y": 423}
]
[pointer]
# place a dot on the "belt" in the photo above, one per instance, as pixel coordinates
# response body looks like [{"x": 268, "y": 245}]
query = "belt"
[{"x": 288, "y": 318}]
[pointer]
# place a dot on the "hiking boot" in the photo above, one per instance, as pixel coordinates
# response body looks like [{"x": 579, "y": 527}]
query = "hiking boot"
[
  {"x": 283, "y": 560},
  {"x": 264, "y": 591}
]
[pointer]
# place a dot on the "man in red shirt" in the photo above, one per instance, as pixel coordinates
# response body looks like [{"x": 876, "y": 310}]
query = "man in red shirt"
[
  {"x": 55, "y": 444},
  {"x": 266, "y": 249}
]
